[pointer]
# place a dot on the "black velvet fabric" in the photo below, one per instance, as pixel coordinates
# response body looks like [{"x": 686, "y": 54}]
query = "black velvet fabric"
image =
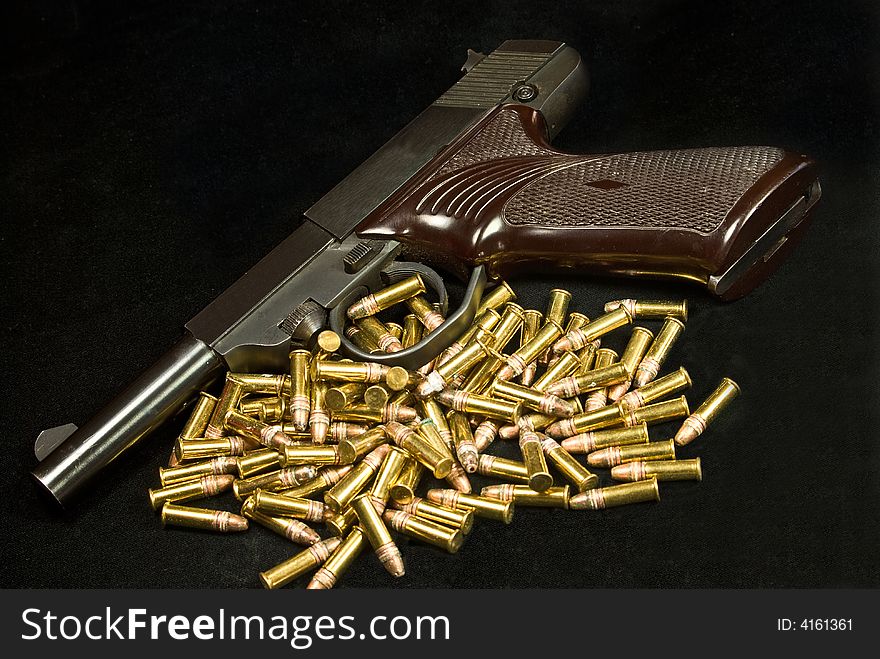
[{"x": 153, "y": 151}]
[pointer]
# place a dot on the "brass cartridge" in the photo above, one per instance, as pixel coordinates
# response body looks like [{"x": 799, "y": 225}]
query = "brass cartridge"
[
  {"x": 590, "y": 381},
  {"x": 651, "y": 308},
  {"x": 342, "y": 430},
  {"x": 573, "y": 471},
  {"x": 298, "y": 564},
  {"x": 339, "y": 561},
  {"x": 287, "y": 527},
  {"x": 319, "y": 415},
  {"x": 442, "y": 375},
  {"x": 599, "y": 439},
  {"x": 398, "y": 378},
  {"x": 202, "y": 449},
  {"x": 354, "y": 334},
  {"x": 591, "y": 331},
  {"x": 463, "y": 401},
  {"x": 511, "y": 323},
  {"x": 696, "y": 423},
  {"x": 420, "y": 528},
  {"x": 340, "y": 523},
  {"x": 283, "y": 479},
  {"x": 662, "y": 470},
  {"x": 523, "y": 495},
  {"x": 299, "y": 388},
  {"x": 540, "y": 479},
  {"x": 615, "y": 455},
  {"x": 284, "y": 506},
  {"x": 479, "y": 379},
  {"x": 658, "y": 352},
  {"x": 269, "y": 436},
  {"x": 511, "y": 470},
  {"x": 485, "y": 434},
  {"x": 463, "y": 439},
  {"x": 343, "y": 395},
  {"x": 485, "y": 507},
  {"x": 205, "y": 486},
  {"x": 378, "y": 536},
  {"x": 376, "y": 396},
  {"x": 326, "y": 344},
  {"x": 214, "y": 466},
  {"x": 311, "y": 454},
  {"x": 497, "y": 297},
  {"x": 340, "y": 495},
  {"x": 545, "y": 402},
  {"x": 268, "y": 409},
  {"x": 199, "y": 417},
  {"x": 604, "y": 417},
  {"x": 566, "y": 364},
  {"x": 660, "y": 388},
  {"x": 668, "y": 410},
  {"x": 461, "y": 519},
  {"x": 616, "y": 495},
  {"x": 403, "y": 490},
  {"x": 557, "y": 307},
  {"x": 390, "y": 412},
  {"x": 326, "y": 478},
  {"x": 352, "y": 449},
  {"x": 599, "y": 398},
  {"x": 367, "y": 372},
  {"x": 412, "y": 331},
  {"x": 430, "y": 409},
  {"x": 386, "y": 298},
  {"x": 420, "y": 448},
  {"x": 517, "y": 362},
  {"x": 200, "y": 518},
  {"x": 229, "y": 399},
  {"x": 377, "y": 332},
  {"x": 532, "y": 321},
  {"x": 268, "y": 384},
  {"x": 387, "y": 474},
  {"x": 425, "y": 312},
  {"x": 632, "y": 356}
]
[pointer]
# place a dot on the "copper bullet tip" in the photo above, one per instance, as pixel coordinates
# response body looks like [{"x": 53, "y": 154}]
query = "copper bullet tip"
[
  {"x": 505, "y": 372},
  {"x": 392, "y": 561},
  {"x": 323, "y": 579},
  {"x": 602, "y": 458},
  {"x": 691, "y": 429}
]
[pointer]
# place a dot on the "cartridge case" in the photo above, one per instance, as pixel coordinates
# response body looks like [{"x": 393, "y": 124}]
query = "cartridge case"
[
  {"x": 205, "y": 486},
  {"x": 599, "y": 398},
  {"x": 412, "y": 331},
  {"x": 668, "y": 410},
  {"x": 668, "y": 385},
  {"x": 214, "y": 466},
  {"x": 269, "y": 384},
  {"x": 352, "y": 449},
  {"x": 326, "y": 478},
  {"x": 480, "y": 378},
  {"x": 203, "y": 449},
  {"x": 658, "y": 352},
  {"x": 339, "y": 561},
  {"x": 403, "y": 489},
  {"x": 326, "y": 343},
  {"x": 283, "y": 479},
  {"x": 442, "y": 375},
  {"x": 377, "y": 332},
  {"x": 461, "y": 519},
  {"x": 484, "y": 507},
  {"x": 696, "y": 423},
  {"x": 566, "y": 364},
  {"x": 229, "y": 398},
  {"x": 430, "y": 409},
  {"x": 590, "y": 381},
  {"x": 269, "y": 436},
  {"x": 632, "y": 356},
  {"x": 367, "y": 372},
  {"x": 298, "y": 564},
  {"x": 533, "y": 457},
  {"x": 339, "y": 523},
  {"x": 523, "y": 495},
  {"x": 517, "y": 362},
  {"x": 497, "y": 297},
  {"x": 387, "y": 297},
  {"x": 342, "y": 430},
  {"x": 545, "y": 402},
  {"x": 557, "y": 306},
  {"x": 420, "y": 448},
  {"x": 198, "y": 419},
  {"x": 511, "y": 470},
  {"x": 281, "y": 505},
  {"x": 390, "y": 412},
  {"x": 378, "y": 536},
  {"x": 340, "y": 396},
  {"x": 580, "y": 337},
  {"x": 268, "y": 409},
  {"x": 311, "y": 454},
  {"x": 377, "y": 396},
  {"x": 319, "y": 415},
  {"x": 615, "y": 455},
  {"x": 604, "y": 417},
  {"x": 299, "y": 388},
  {"x": 573, "y": 471},
  {"x": 662, "y": 470},
  {"x": 594, "y": 440},
  {"x": 425, "y": 312},
  {"x": 398, "y": 378},
  {"x": 200, "y": 518},
  {"x": 387, "y": 474},
  {"x": 616, "y": 495},
  {"x": 463, "y": 401},
  {"x": 511, "y": 322},
  {"x": 651, "y": 308},
  {"x": 340, "y": 495},
  {"x": 463, "y": 439},
  {"x": 484, "y": 434},
  {"x": 532, "y": 321},
  {"x": 421, "y": 528},
  {"x": 357, "y": 336},
  {"x": 287, "y": 527},
  {"x": 576, "y": 320}
]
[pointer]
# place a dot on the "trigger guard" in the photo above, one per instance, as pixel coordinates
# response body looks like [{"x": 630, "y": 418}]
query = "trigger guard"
[
  {"x": 429, "y": 347},
  {"x": 397, "y": 270}
]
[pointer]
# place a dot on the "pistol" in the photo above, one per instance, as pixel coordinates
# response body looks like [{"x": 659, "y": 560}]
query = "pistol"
[{"x": 471, "y": 186}]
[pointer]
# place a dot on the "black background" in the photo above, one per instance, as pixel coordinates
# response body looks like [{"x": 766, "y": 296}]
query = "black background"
[{"x": 153, "y": 154}]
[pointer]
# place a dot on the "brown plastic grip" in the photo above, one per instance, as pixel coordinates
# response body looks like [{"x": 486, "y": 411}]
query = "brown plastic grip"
[{"x": 502, "y": 196}]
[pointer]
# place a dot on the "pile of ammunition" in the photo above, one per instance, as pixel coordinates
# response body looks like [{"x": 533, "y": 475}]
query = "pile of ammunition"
[{"x": 361, "y": 435}]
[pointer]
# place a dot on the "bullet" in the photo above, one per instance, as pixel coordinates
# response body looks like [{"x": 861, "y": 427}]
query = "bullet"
[
  {"x": 342, "y": 396},
  {"x": 398, "y": 378},
  {"x": 283, "y": 479},
  {"x": 463, "y": 438},
  {"x": 587, "y": 356},
  {"x": 492, "y": 465},
  {"x": 319, "y": 416},
  {"x": 484, "y": 507},
  {"x": 479, "y": 379},
  {"x": 485, "y": 434},
  {"x": 461, "y": 519},
  {"x": 390, "y": 412},
  {"x": 202, "y": 449},
  {"x": 387, "y": 297},
  {"x": 376, "y": 396},
  {"x": 354, "y": 334},
  {"x": 599, "y": 439},
  {"x": 403, "y": 490},
  {"x": 479, "y": 329},
  {"x": 668, "y": 385},
  {"x": 311, "y": 454},
  {"x": 566, "y": 364},
  {"x": 599, "y": 398},
  {"x": 378, "y": 536},
  {"x": 269, "y": 384},
  {"x": 533, "y": 457},
  {"x": 339, "y": 523},
  {"x": 511, "y": 322},
  {"x": 340, "y": 495},
  {"x": 342, "y": 430},
  {"x": 635, "y": 350},
  {"x": 442, "y": 375},
  {"x": 579, "y": 423},
  {"x": 580, "y": 337},
  {"x": 267, "y": 409},
  {"x": 199, "y": 417},
  {"x": 229, "y": 398},
  {"x": 326, "y": 478},
  {"x": 287, "y": 527},
  {"x": 668, "y": 410},
  {"x": 367, "y": 372},
  {"x": 200, "y": 518},
  {"x": 214, "y": 466},
  {"x": 615, "y": 455},
  {"x": 532, "y": 321},
  {"x": 429, "y": 431},
  {"x": 205, "y": 486},
  {"x": 299, "y": 388},
  {"x": 298, "y": 564},
  {"x": 339, "y": 561},
  {"x": 412, "y": 331},
  {"x": 557, "y": 307},
  {"x": 616, "y": 495},
  {"x": 280, "y": 505},
  {"x": 269, "y": 436},
  {"x": 439, "y": 535},
  {"x": 651, "y": 308},
  {"x": 545, "y": 402},
  {"x": 458, "y": 478},
  {"x": 658, "y": 352},
  {"x": 387, "y": 474},
  {"x": 662, "y": 470},
  {"x": 573, "y": 471},
  {"x": 517, "y": 362},
  {"x": 377, "y": 332},
  {"x": 696, "y": 423},
  {"x": 430, "y": 409},
  {"x": 590, "y": 381},
  {"x": 463, "y": 401},
  {"x": 523, "y": 495},
  {"x": 497, "y": 297},
  {"x": 420, "y": 448},
  {"x": 425, "y": 312}
]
